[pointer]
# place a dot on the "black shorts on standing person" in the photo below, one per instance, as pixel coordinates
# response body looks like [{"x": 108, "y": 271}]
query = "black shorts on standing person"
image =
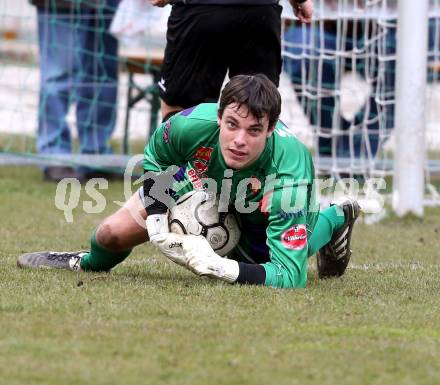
[{"x": 205, "y": 41}]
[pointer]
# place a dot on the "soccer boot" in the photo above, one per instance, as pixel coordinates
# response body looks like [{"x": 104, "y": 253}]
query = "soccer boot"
[
  {"x": 333, "y": 258},
  {"x": 52, "y": 259}
]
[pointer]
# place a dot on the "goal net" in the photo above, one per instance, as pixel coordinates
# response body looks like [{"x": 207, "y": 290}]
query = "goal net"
[
  {"x": 339, "y": 89},
  {"x": 83, "y": 115}
]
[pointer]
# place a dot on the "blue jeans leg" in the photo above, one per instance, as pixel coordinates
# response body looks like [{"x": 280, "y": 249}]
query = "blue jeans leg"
[{"x": 56, "y": 73}]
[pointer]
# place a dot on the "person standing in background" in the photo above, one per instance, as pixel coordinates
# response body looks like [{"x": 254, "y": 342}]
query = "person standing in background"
[
  {"x": 78, "y": 63},
  {"x": 208, "y": 38}
]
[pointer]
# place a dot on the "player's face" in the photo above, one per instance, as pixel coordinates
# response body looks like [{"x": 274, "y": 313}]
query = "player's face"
[{"x": 242, "y": 136}]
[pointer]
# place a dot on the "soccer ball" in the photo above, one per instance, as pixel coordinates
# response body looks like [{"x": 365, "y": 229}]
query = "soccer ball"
[{"x": 196, "y": 212}]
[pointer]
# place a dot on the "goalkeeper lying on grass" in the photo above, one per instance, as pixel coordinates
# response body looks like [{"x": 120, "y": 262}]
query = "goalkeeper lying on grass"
[{"x": 237, "y": 139}]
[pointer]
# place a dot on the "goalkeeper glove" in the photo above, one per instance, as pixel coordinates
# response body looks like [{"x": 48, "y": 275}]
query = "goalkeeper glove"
[
  {"x": 202, "y": 260},
  {"x": 169, "y": 244}
]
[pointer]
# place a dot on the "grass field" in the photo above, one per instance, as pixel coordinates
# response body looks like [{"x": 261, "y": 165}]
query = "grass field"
[{"x": 151, "y": 322}]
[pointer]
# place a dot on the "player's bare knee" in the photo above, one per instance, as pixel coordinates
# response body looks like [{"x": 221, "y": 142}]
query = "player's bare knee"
[{"x": 108, "y": 237}]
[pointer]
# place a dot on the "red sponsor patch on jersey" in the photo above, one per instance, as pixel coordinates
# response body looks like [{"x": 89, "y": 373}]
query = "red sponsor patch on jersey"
[
  {"x": 295, "y": 238},
  {"x": 203, "y": 153},
  {"x": 201, "y": 167},
  {"x": 195, "y": 180}
]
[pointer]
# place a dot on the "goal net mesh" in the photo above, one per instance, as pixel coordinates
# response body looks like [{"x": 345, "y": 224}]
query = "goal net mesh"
[
  {"x": 338, "y": 87},
  {"x": 79, "y": 116}
]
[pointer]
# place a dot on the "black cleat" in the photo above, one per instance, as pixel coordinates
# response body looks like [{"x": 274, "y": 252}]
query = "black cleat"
[
  {"x": 333, "y": 258},
  {"x": 52, "y": 259}
]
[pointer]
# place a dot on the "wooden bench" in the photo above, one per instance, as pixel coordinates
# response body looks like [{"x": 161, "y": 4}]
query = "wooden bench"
[{"x": 141, "y": 62}]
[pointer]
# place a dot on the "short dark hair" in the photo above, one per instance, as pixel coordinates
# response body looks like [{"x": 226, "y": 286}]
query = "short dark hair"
[{"x": 256, "y": 92}]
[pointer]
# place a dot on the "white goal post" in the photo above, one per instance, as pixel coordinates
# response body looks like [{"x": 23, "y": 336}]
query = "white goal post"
[{"x": 410, "y": 156}]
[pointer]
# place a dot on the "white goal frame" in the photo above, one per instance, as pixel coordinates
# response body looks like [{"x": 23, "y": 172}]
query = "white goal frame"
[{"x": 410, "y": 154}]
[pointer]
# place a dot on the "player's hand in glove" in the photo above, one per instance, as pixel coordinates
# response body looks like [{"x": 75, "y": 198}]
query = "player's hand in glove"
[
  {"x": 202, "y": 260},
  {"x": 168, "y": 243}
]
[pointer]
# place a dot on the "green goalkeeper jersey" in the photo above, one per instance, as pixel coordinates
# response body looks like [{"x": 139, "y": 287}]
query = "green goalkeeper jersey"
[{"x": 274, "y": 196}]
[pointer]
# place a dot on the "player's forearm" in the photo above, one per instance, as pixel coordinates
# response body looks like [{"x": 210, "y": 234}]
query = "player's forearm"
[
  {"x": 251, "y": 274},
  {"x": 151, "y": 203},
  {"x": 271, "y": 274}
]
